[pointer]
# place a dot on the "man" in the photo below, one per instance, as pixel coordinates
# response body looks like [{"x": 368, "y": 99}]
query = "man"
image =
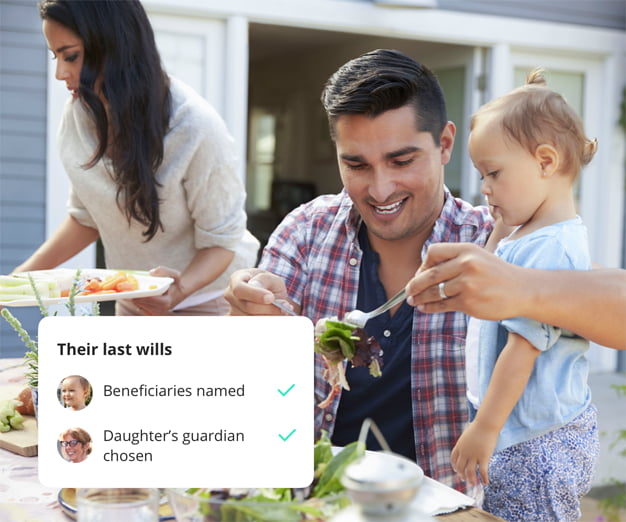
[
  {"x": 591, "y": 303},
  {"x": 355, "y": 249}
]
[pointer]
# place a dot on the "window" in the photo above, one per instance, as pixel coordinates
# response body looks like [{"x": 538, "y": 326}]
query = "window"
[{"x": 261, "y": 160}]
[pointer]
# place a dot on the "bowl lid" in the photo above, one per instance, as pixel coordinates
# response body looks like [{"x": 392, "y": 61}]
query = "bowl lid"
[{"x": 382, "y": 471}]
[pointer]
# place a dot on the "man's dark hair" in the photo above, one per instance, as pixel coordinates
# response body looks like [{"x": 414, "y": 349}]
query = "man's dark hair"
[{"x": 383, "y": 80}]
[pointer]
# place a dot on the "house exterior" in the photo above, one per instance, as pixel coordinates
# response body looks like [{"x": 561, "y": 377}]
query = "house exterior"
[{"x": 263, "y": 65}]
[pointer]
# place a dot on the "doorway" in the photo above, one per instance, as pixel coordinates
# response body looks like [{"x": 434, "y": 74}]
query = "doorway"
[{"x": 291, "y": 158}]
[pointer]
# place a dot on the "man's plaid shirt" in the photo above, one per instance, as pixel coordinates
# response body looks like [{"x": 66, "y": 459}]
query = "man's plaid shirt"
[{"x": 316, "y": 250}]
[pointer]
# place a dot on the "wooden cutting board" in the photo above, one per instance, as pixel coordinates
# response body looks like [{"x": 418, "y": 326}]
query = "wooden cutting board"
[{"x": 23, "y": 442}]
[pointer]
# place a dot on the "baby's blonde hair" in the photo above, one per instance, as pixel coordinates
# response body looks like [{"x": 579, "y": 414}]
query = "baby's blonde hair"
[
  {"x": 533, "y": 115},
  {"x": 84, "y": 383}
]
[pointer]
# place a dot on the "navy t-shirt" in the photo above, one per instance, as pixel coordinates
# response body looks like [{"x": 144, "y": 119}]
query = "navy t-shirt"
[{"x": 385, "y": 399}]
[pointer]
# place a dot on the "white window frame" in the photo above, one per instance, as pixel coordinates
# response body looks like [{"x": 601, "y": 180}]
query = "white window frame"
[
  {"x": 597, "y": 205},
  {"x": 601, "y": 192},
  {"x": 212, "y": 32}
]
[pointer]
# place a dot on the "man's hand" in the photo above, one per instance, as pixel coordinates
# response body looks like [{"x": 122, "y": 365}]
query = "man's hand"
[
  {"x": 252, "y": 290},
  {"x": 475, "y": 282}
]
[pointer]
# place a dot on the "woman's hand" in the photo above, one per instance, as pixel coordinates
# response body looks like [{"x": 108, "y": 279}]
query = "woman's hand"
[
  {"x": 252, "y": 290},
  {"x": 162, "y": 304},
  {"x": 206, "y": 266}
]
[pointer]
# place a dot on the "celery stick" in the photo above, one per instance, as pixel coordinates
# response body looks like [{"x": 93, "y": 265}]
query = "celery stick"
[
  {"x": 45, "y": 288},
  {"x": 53, "y": 289},
  {"x": 5, "y": 298},
  {"x": 16, "y": 290},
  {"x": 12, "y": 280}
]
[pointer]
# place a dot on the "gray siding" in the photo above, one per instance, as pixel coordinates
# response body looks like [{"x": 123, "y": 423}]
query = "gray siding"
[
  {"x": 610, "y": 14},
  {"x": 23, "y": 64}
]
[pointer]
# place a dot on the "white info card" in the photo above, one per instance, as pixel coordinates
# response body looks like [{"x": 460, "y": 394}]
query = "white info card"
[{"x": 212, "y": 402}]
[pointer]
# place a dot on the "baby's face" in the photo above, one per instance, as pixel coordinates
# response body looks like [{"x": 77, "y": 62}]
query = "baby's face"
[{"x": 73, "y": 394}]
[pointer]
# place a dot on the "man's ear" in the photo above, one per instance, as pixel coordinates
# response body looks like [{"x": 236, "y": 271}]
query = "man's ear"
[
  {"x": 548, "y": 157},
  {"x": 446, "y": 141}
]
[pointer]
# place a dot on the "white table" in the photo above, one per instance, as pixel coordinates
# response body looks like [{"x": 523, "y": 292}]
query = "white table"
[{"x": 23, "y": 498}]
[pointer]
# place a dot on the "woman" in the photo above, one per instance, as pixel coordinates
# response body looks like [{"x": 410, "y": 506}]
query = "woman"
[
  {"x": 75, "y": 445},
  {"x": 151, "y": 164}
]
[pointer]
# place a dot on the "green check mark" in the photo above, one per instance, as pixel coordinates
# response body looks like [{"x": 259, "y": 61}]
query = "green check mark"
[
  {"x": 283, "y": 393},
  {"x": 290, "y": 434}
]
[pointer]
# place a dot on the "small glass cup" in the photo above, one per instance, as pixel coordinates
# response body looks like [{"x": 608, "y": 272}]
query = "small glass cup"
[{"x": 116, "y": 504}]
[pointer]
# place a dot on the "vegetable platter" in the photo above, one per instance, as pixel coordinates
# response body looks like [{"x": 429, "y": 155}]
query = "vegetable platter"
[{"x": 93, "y": 284}]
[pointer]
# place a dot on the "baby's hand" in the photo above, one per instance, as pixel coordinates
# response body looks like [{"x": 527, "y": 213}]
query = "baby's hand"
[{"x": 473, "y": 450}]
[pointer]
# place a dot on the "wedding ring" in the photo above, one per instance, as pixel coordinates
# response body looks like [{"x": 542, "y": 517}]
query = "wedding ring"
[{"x": 442, "y": 292}]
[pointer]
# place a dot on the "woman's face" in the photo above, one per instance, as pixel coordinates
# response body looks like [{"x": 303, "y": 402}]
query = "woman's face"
[
  {"x": 73, "y": 394},
  {"x": 73, "y": 450},
  {"x": 69, "y": 52}
]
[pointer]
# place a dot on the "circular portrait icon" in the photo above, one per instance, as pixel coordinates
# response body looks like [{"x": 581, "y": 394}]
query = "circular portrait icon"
[
  {"x": 74, "y": 445},
  {"x": 74, "y": 392}
]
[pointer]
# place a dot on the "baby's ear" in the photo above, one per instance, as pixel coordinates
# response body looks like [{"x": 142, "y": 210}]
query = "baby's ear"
[{"x": 548, "y": 158}]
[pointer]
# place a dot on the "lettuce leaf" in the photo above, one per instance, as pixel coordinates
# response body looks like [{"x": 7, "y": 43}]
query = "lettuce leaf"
[
  {"x": 286, "y": 504},
  {"x": 337, "y": 341}
]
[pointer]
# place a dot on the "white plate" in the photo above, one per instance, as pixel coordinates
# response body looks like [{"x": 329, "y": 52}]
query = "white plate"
[{"x": 148, "y": 286}]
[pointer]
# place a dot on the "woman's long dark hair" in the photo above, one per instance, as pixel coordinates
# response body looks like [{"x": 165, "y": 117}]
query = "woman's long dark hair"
[{"x": 121, "y": 52}]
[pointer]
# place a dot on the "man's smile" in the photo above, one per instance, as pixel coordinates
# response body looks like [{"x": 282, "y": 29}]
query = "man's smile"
[{"x": 390, "y": 208}]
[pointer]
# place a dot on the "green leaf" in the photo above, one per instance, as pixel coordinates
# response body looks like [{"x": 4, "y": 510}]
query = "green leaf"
[
  {"x": 37, "y": 287},
  {"x": 337, "y": 341},
  {"x": 322, "y": 453},
  {"x": 330, "y": 480}
]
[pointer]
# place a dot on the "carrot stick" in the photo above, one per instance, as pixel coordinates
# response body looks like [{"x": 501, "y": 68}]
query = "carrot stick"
[
  {"x": 125, "y": 286},
  {"x": 93, "y": 285},
  {"x": 110, "y": 282}
]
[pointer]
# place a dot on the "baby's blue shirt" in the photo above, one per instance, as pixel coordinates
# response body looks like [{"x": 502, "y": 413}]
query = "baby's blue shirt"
[{"x": 557, "y": 390}]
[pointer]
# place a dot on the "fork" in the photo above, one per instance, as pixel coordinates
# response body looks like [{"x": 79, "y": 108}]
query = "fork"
[
  {"x": 358, "y": 318},
  {"x": 284, "y": 308}
]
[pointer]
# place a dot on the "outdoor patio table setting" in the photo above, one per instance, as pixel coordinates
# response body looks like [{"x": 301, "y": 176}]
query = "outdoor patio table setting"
[{"x": 24, "y": 498}]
